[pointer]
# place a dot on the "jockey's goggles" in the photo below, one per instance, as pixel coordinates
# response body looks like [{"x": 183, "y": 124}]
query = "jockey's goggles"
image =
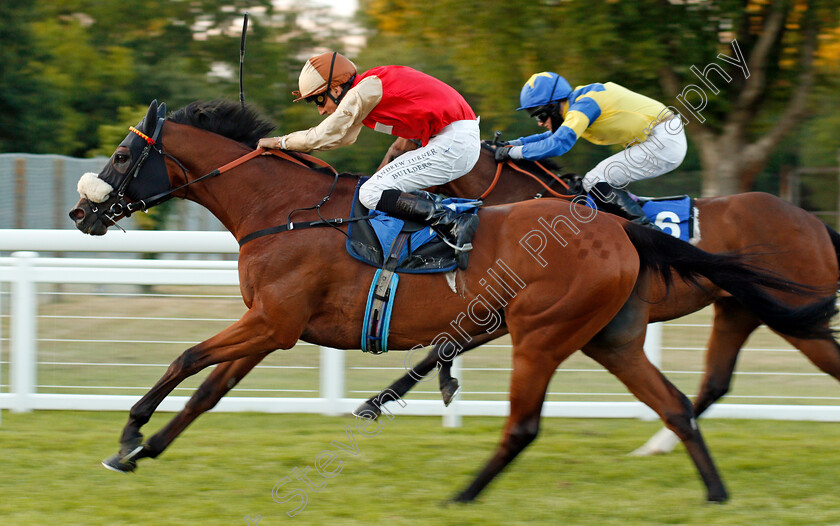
[
  {"x": 319, "y": 99},
  {"x": 542, "y": 113}
]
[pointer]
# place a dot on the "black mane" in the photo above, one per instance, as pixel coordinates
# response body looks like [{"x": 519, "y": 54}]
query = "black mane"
[{"x": 226, "y": 118}]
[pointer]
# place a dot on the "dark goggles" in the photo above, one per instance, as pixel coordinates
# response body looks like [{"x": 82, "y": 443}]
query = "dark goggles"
[
  {"x": 319, "y": 99},
  {"x": 542, "y": 113}
]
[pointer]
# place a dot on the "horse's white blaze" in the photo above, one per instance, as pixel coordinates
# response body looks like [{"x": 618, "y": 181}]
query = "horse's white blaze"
[{"x": 93, "y": 188}]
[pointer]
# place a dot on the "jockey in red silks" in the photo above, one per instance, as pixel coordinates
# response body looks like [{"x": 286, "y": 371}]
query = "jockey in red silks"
[
  {"x": 653, "y": 135},
  {"x": 399, "y": 101}
]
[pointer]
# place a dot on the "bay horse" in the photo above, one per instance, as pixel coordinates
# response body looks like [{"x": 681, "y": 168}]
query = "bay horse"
[
  {"x": 301, "y": 284},
  {"x": 786, "y": 239}
]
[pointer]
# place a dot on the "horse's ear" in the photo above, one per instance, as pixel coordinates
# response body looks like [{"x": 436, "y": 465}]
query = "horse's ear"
[
  {"x": 161, "y": 112},
  {"x": 150, "y": 120}
]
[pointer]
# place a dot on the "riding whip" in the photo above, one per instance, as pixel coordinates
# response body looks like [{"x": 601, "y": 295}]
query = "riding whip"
[{"x": 242, "y": 59}]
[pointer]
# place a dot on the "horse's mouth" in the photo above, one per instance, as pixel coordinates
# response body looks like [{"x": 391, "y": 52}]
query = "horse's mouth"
[{"x": 86, "y": 220}]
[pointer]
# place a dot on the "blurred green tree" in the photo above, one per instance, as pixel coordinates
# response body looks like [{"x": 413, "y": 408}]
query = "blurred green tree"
[
  {"x": 74, "y": 74},
  {"x": 28, "y": 102}
]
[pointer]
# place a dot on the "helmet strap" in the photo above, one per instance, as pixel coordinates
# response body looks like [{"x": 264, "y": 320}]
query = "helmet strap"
[
  {"x": 336, "y": 100},
  {"x": 556, "y": 115},
  {"x": 344, "y": 88}
]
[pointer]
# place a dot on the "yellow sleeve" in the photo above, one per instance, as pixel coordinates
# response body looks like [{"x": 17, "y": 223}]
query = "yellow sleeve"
[{"x": 577, "y": 121}]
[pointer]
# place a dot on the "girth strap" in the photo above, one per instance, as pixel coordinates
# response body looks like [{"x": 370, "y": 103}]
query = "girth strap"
[{"x": 380, "y": 301}]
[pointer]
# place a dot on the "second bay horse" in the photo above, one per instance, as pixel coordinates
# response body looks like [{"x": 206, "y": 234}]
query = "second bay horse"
[{"x": 786, "y": 240}]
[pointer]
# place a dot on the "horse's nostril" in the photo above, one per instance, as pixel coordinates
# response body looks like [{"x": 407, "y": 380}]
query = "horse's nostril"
[{"x": 77, "y": 214}]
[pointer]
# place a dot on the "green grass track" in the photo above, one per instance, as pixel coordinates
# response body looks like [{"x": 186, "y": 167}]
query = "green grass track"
[{"x": 224, "y": 467}]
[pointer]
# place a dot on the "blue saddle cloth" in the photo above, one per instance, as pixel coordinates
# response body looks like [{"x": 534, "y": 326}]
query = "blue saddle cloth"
[
  {"x": 671, "y": 214},
  {"x": 369, "y": 241}
]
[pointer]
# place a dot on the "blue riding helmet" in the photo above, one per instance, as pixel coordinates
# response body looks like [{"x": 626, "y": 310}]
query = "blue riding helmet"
[{"x": 543, "y": 88}]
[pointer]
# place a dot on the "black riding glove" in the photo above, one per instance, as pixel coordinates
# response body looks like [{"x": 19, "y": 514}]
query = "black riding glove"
[
  {"x": 503, "y": 153},
  {"x": 576, "y": 186}
]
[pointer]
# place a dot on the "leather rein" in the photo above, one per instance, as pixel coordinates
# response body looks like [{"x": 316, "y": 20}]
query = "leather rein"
[
  {"x": 144, "y": 204},
  {"x": 542, "y": 183}
]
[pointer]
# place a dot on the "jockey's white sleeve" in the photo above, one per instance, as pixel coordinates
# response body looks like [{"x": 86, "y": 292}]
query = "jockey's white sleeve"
[{"x": 343, "y": 126}]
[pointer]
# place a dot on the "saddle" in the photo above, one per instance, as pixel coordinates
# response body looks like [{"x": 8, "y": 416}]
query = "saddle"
[
  {"x": 394, "y": 245},
  {"x": 423, "y": 251}
]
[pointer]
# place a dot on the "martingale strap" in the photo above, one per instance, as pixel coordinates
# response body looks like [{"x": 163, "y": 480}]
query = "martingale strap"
[{"x": 299, "y": 226}]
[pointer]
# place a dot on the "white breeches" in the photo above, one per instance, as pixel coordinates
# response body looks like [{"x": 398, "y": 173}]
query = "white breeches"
[{"x": 450, "y": 154}]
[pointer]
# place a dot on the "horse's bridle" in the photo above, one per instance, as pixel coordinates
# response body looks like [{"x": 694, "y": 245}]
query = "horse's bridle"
[
  {"x": 125, "y": 207},
  {"x": 153, "y": 145}
]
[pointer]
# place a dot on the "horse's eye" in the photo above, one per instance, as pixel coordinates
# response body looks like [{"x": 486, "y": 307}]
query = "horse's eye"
[{"x": 120, "y": 158}]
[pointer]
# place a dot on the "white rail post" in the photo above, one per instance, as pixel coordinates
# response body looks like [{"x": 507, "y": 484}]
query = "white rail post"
[
  {"x": 452, "y": 414},
  {"x": 653, "y": 344},
  {"x": 653, "y": 351},
  {"x": 332, "y": 380},
  {"x": 1, "y": 348},
  {"x": 23, "y": 332}
]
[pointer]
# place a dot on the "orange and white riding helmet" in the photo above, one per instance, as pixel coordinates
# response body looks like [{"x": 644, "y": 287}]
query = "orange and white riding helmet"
[{"x": 322, "y": 72}]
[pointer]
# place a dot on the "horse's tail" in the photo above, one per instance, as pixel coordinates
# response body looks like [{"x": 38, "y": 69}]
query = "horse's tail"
[
  {"x": 747, "y": 283},
  {"x": 835, "y": 240}
]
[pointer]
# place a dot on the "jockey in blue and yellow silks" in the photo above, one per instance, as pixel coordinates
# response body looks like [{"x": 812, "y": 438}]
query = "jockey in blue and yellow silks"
[{"x": 653, "y": 136}]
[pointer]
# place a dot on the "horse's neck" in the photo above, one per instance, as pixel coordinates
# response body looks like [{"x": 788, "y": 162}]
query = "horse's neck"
[
  {"x": 511, "y": 187},
  {"x": 257, "y": 194}
]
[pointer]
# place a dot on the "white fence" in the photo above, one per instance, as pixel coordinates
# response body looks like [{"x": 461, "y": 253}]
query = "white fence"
[{"x": 25, "y": 271}]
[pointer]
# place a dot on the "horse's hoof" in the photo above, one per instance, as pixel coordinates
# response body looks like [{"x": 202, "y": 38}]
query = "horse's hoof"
[
  {"x": 448, "y": 391},
  {"x": 367, "y": 410},
  {"x": 123, "y": 463},
  {"x": 462, "y": 499},
  {"x": 718, "y": 497}
]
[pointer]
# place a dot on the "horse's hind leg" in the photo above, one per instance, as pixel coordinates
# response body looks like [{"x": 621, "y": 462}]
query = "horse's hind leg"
[
  {"x": 631, "y": 366},
  {"x": 825, "y": 354},
  {"x": 529, "y": 382},
  {"x": 731, "y": 327}
]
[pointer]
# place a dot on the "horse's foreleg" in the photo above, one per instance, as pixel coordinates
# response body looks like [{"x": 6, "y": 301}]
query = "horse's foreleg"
[
  {"x": 529, "y": 382},
  {"x": 372, "y": 407},
  {"x": 248, "y": 336},
  {"x": 631, "y": 366},
  {"x": 437, "y": 358},
  {"x": 448, "y": 384},
  {"x": 731, "y": 327},
  {"x": 217, "y": 384}
]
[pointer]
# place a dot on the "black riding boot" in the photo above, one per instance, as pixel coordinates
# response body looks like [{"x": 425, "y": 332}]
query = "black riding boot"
[
  {"x": 455, "y": 229},
  {"x": 617, "y": 201}
]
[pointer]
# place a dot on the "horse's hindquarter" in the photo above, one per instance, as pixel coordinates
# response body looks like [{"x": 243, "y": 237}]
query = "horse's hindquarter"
[
  {"x": 782, "y": 238},
  {"x": 575, "y": 275},
  {"x": 778, "y": 237}
]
